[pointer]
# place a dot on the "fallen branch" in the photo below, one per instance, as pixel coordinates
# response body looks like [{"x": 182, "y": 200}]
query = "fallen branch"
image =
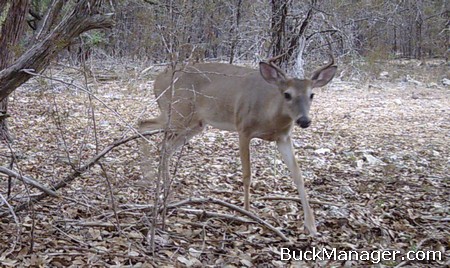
[
  {"x": 94, "y": 224},
  {"x": 296, "y": 199},
  {"x": 30, "y": 181},
  {"x": 65, "y": 251},
  {"x": 209, "y": 214},
  {"x": 230, "y": 206},
  {"x": 433, "y": 218},
  {"x": 176, "y": 205},
  {"x": 90, "y": 163}
]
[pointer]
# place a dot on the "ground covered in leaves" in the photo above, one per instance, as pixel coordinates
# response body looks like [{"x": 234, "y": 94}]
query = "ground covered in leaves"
[{"x": 375, "y": 161}]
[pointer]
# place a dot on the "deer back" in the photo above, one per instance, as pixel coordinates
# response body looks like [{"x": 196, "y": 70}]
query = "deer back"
[{"x": 225, "y": 96}]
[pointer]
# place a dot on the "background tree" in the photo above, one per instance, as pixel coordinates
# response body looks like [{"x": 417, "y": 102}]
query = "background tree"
[
  {"x": 12, "y": 29},
  {"x": 233, "y": 29}
]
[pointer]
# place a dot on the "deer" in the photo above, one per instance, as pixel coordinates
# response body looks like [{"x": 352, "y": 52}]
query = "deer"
[{"x": 264, "y": 104}]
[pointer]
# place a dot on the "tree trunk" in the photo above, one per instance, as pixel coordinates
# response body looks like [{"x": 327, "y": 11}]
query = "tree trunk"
[
  {"x": 394, "y": 42},
  {"x": 419, "y": 24},
  {"x": 287, "y": 43},
  {"x": 234, "y": 31},
  {"x": 279, "y": 13},
  {"x": 299, "y": 70},
  {"x": 84, "y": 17},
  {"x": 11, "y": 32}
]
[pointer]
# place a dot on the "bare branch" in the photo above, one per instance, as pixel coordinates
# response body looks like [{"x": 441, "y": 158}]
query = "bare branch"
[
  {"x": 95, "y": 224},
  {"x": 50, "y": 17},
  {"x": 230, "y": 206},
  {"x": 28, "y": 180},
  {"x": 312, "y": 201},
  {"x": 210, "y": 214}
]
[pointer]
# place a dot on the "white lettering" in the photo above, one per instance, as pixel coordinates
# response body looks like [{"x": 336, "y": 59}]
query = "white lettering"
[
  {"x": 299, "y": 256},
  {"x": 305, "y": 255},
  {"x": 353, "y": 255},
  {"x": 283, "y": 252},
  {"x": 365, "y": 256},
  {"x": 431, "y": 255},
  {"x": 386, "y": 255},
  {"x": 394, "y": 255},
  {"x": 317, "y": 253},
  {"x": 342, "y": 256},
  {"x": 331, "y": 256},
  {"x": 375, "y": 256},
  {"x": 420, "y": 255}
]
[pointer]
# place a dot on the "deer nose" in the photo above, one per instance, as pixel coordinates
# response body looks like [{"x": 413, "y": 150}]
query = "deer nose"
[{"x": 303, "y": 122}]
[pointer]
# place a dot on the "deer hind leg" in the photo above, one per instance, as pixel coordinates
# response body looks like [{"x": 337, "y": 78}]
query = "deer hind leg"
[
  {"x": 178, "y": 138},
  {"x": 176, "y": 135},
  {"x": 151, "y": 124},
  {"x": 147, "y": 162},
  {"x": 287, "y": 153}
]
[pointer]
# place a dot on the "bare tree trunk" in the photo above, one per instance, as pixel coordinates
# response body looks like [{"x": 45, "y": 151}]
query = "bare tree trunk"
[
  {"x": 296, "y": 36},
  {"x": 235, "y": 31},
  {"x": 418, "y": 26},
  {"x": 11, "y": 32},
  {"x": 299, "y": 70},
  {"x": 279, "y": 13},
  {"x": 84, "y": 17},
  {"x": 394, "y": 45},
  {"x": 287, "y": 43}
]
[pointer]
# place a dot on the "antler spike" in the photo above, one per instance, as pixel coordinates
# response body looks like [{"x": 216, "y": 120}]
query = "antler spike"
[
  {"x": 271, "y": 60},
  {"x": 331, "y": 63}
]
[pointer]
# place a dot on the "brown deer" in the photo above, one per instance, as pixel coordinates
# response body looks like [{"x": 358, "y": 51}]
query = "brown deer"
[{"x": 263, "y": 104}]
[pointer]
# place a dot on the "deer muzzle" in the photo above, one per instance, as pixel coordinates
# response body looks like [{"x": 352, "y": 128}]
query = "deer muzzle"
[{"x": 303, "y": 122}]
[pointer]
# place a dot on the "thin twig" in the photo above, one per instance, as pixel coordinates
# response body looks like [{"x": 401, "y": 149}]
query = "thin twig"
[
  {"x": 210, "y": 214},
  {"x": 108, "y": 225},
  {"x": 296, "y": 199}
]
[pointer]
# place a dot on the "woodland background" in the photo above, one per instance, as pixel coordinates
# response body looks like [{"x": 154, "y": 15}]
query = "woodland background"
[{"x": 77, "y": 190}]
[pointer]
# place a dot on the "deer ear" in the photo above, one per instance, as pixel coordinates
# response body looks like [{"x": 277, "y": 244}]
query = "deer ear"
[
  {"x": 321, "y": 77},
  {"x": 270, "y": 74}
]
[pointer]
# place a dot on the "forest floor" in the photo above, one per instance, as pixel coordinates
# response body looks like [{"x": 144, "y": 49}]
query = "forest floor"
[{"x": 375, "y": 160}]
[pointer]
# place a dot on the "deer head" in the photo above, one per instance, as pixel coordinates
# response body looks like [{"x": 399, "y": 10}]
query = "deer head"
[{"x": 297, "y": 93}]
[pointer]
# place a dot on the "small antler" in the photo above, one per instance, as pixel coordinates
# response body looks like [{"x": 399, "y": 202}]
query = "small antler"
[
  {"x": 331, "y": 63},
  {"x": 271, "y": 60}
]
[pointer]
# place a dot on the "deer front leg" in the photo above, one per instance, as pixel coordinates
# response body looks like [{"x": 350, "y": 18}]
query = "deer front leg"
[
  {"x": 287, "y": 153},
  {"x": 244, "y": 151}
]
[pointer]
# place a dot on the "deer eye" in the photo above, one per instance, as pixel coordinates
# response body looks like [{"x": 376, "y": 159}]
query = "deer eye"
[
  {"x": 287, "y": 96},
  {"x": 311, "y": 96}
]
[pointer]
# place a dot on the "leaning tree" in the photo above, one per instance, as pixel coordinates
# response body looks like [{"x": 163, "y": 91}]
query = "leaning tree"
[{"x": 55, "y": 24}]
